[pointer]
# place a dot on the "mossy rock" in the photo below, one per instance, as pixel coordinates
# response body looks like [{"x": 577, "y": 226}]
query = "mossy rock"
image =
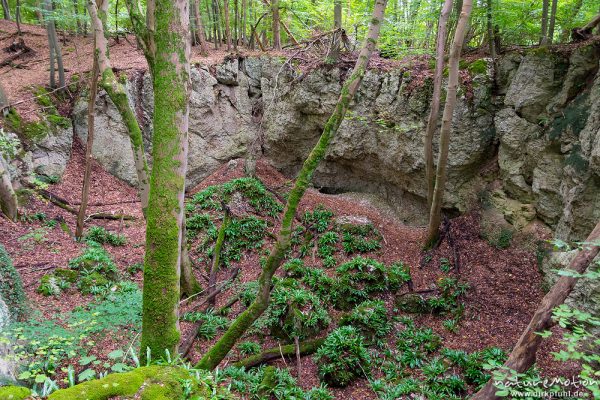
[
  {"x": 477, "y": 67},
  {"x": 146, "y": 383},
  {"x": 68, "y": 275},
  {"x": 412, "y": 303},
  {"x": 11, "y": 287},
  {"x": 29, "y": 131},
  {"x": 14, "y": 393},
  {"x": 95, "y": 279}
]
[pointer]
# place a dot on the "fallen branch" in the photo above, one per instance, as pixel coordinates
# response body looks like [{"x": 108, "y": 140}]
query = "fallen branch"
[{"x": 305, "y": 348}]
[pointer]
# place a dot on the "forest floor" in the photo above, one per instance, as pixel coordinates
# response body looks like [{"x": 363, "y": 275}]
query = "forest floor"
[{"x": 505, "y": 285}]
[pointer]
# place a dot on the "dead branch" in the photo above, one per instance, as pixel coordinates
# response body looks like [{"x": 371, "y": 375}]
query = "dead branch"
[{"x": 304, "y": 348}]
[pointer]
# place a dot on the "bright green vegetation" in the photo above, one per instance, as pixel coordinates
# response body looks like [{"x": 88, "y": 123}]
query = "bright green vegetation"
[
  {"x": 11, "y": 287},
  {"x": 261, "y": 383},
  {"x": 14, "y": 393},
  {"x": 210, "y": 323},
  {"x": 343, "y": 357},
  {"x": 446, "y": 299},
  {"x": 100, "y": 235},
  {"x": 248, "y": 348},
  {"x": 371, "y": 320}
]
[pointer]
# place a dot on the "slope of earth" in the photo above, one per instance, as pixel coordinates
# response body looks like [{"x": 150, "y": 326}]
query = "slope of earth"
[{"x": 504, "y": 285}]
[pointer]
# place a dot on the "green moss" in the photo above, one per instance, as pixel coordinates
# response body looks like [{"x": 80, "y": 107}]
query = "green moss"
[
  {"x": 14, "y": 393},
  {"x": 11, "y": 287},
  {"x": 149, "y": 383},
  {"x": 539, "y": 51},
  {"x": 30, "y": 131},
  {"x": 43, "y": 98},
  {"x": 574, "y": 117},
  {"x": 89, "y": 282},
  {"x": 68, "y": 275},
  {"x": 477, "y": 67},
  {"x": 58, "y": 120}
]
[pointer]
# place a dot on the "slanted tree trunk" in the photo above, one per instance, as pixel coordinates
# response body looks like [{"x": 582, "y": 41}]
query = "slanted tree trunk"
[
  {"x": 585, "y": 33},
  {"x": 6, "y": 9},
  {"x": 8, "y": 199},
  {"x": 215, "y": 355},
  {"x": 200, "y": 37},
  {"x": 524, "y": 353},
  {"x": 227, "y": 24},
  {"x": 435, "y": 216},
  {"x": 118, "y": 95},
  {"x": 85, "y": 191},
  {"x": 189, "y": 283},
  {"x": 544, "y": 33},
  {"x": 276, "y": 19},
  {"x": 169, "y": 20},
  {"x": 432, "y": 122}
]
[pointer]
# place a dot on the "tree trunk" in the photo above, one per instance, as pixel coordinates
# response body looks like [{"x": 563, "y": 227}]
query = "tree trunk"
[
  {"x": 337, "y": 24},
  {"x": 118, "y": 95},
  {"x": 227, "y": 24},
  {"x": 55, "y": 50},
  {"x": 236, "y": 24},
  {"x": 432, "y": 122},
  {"x": 76, "y": 13},
  {"x": 490, "y": 30},
  {"x": 85, "y": 191},
  {"x": 200, "y": 37},
  {"x": 276, "y": 33},
  {"x": 169, "y": 44},
  {"x": 566, "y": 27},
  {"x": 244, "y": 22},
  {"x": 8, "y": 199},
  {"x": 216, "y": 30},
  {"x": 552, "y": 21},
  {"x": 215, "y": 355},
  {"x": 189, "y": 283},
  {"x": 453, "y": 75},
  {"x": 6, "y": 9},
  {"x": 289, "y": 350},
  {"x": 18, "y": 18},
  {"x": 544, "y": 33},
  {"x": 524, "y": 353},
  {"x": 214, "y": 269}
]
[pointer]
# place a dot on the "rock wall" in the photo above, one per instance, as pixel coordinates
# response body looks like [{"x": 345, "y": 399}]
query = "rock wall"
[{"x": 531, "y": 130}]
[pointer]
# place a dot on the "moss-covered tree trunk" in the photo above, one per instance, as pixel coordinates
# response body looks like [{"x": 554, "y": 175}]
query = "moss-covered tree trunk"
[
  {"x": 432, "y": 122},
  {"x": 218, "y": 352},
  {"x": 8, "y": 199},
  {"x": 435, "y": 215},
  {"x": 118, "y": 95},
  {"x": 167, "y": 40},
  {"x": 524, "y": 353}
]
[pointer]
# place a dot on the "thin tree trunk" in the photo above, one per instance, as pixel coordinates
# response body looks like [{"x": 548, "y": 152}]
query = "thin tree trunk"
[
  {"x": 51, "y": 48},
  {"x": 244, "y": 22},
  {"x": 524, "y": 353},
  {"x": 85, "y": 191},
  {"x": 54, "y": 46},
  {"x": 227, "y": 24},
  {"x": 432, "y": 122},
  {"x": 76, "y": 13},
  {"x": 236, "y": 24},
  {"x": 170, "y": 47},
  {"x": 6, "y": 9},
  {"x": 18, "y": 18},
  {"x": 200, "y": 37},
  {"x": 219, "y": 351},
  {"x": 552, "y": 21},
  {"x": 276, "y": 33},
  {"x": 189, "y": 283},
  {"x": 117, "y": 93},
  {"x": 117, "y": 21},
  {"x": 216, "y": 30},
  {"x": 214, "y": 269},
  {"x": 8, "y": 199},
  {"x": 453, "y": 75},
  {"x": 544, "y": 33},
  {"x": 337, "y": 24},
  {"x": 490, "y": 30}
]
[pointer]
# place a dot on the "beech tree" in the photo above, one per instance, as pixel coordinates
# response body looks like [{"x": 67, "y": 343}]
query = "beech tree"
[
  {"x": 523, "y": 355},
  {"x": 54, "y": 46},
  {"x": 432, "y": 121},
  {"x": 6, "y": 9},
  {"x": 435, "y": 216},
  {"x": 165, "y": 39},
  {"x": 219, "y": 351},
  {"x": 276, "y": 18}
]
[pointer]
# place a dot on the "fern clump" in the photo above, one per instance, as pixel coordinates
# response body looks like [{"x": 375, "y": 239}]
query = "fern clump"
[
  {"x": 357, "y": 280},
  {"x": 99, "y": 234},
  {"x": 370, "y": 319},
  {"x": 343, "y": 357},
  {"x": 294, "y": 312}
]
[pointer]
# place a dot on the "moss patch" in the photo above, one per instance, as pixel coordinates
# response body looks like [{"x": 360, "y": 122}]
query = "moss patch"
[
  {"x": 11, "y": 286},
  {"x": 477, "y": 67},
  {"x": 14, "y": 393}
]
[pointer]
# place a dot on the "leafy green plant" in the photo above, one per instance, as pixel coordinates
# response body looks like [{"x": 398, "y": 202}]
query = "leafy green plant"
[
  {"x": 95, "y": 259},
  {"x": 100, "y": 235},
  {"x": 370, "y": 319},
  {"x": 343, "y": 357},
  {"x": 360, "y": 238},
  {"x": 445, "y": 265},
  {"x": 211, "y": 323},
  {"x": 415, "y": 344},
  {"x": 51, "y": 285},
  {"x": 326, "y": 246},
  {"x": 248, "y": 348},
  {"x": 317, "y": 220}
]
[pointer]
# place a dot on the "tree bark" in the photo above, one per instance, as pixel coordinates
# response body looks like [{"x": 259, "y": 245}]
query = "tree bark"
[
  {"x": 276, "y": 33},
  {"x": 189, "y": 283},
  {"x": 199, "y": 32},
  {"x": 214, "y": 269},
  {"x": 85, "y": 191},
  {"x": 117, "y": 93},
  {"x": 524, "y": 353},
  {"x": 227, "y": 24},
  {"x": 169, "y": 47},
  {"x": 552, "y": 22},
  {"x": 337, "y": 24},
  {"x": 6, "y": 9},
  {"x": 432, "y": 121},
  {"x": 289, "y": 350},
  {"x": 8, "y": 199},
  {"x": 453, "y": 75},
  {"x": 215, "y": 355},
  {"x": 490, "y": 30},
  {"x": 55, "y": 50},
  {"x": 544, "y": 33}
]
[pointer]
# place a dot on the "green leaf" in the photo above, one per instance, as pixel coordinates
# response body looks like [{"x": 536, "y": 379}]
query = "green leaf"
[
  {"x": 86, "y": 360},
  {"x": 113, "y": 355},
  {"x": 41, "y": 378},
  {"x": 86, "y": 375},
  {"x": 23, "y": 376},
  {"x": 119, "y": 367}
]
